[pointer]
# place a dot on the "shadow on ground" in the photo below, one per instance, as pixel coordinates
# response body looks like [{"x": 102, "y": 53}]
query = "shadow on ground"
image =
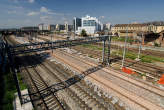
[
  {"x": 62, "y": 85},
  {"x": 25, "y": 60}
]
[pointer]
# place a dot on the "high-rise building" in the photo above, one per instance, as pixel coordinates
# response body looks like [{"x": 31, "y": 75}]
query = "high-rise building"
[
  {"x": 66, "y": 27},
  {"x": 76, "y": 23},
  {"x": 47, "y": 27},
  {"x": 90, "y": 24},
  {"x": 70, "y": 27},
  {"x": 108, "y": 26},
  {"x": 43, "y": 26},
  {"x": 60, "y": 27},
  {"x": 51, "y": 27}
]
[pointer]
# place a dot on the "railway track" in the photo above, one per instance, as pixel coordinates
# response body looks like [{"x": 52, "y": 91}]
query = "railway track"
[
  {"x": 144, "y": 68},
  {"x": 86, "y": 98},
  {"x": 117, "y": 91},
  {"x": 37, "y": 85},
  {"x": 141, "y": 87},
  {"x": 91, "y": 64},
  {"x": 145, "y": 52},
  {"x": 151, "y": 71},
  {"x": 83, "y": 88},
  {"x": 56, "y": 79}
]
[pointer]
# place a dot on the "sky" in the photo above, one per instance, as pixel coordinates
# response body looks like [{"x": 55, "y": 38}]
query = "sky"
[{"x": 18, "y": 13}]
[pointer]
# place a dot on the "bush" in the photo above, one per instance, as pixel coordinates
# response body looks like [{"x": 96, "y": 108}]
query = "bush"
[
  {"x": 156, "y": 44},
  {"x": 84, "y": 33}
]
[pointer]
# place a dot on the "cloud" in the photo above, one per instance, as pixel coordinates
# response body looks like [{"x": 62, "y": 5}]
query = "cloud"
[
  {"x": 48, "y": 11},
  {"x": 31, "y": 1},
  {"x": 15, "y": 1},
  {"x": 12, "y": 12},
  {"x": 45, "y": 18},
  {"x": 102, "y": 17},
  {"x": 18, "y": 1},
  {"x": 33, "y": 13},
  {"x": 44, "y": 10},
  {"x": 17, "y": 7}
]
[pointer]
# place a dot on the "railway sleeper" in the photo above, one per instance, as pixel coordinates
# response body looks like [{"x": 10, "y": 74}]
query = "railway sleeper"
[
  {"x": 37, "y": 80},
  {"x": 84, "y": 92},
  {"x": 106, "y": 100},
  {"x": 53, "y": 105},
  {"x": 87, "y": 94},
  {"x": 49, "y": 99},
  {"x": 42, "y": 106},
  {"x": 114, "y": 106},
  {"x": 75, "y": 97},
  {"x": 41, "y": 88},
  {"x": 91, "y": 92},
  {"x": 40, "y": 84}
]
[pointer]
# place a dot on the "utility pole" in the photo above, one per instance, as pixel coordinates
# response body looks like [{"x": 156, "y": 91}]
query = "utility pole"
[
  {"x": 125, "y": 48},
  {"x": 103, "y": 53},
  {"x": 51, "y": 44},
  {"x": 109, "y": 45},
  {"x": 140, "y": 46},
  {"x": 74, "y": 27}
]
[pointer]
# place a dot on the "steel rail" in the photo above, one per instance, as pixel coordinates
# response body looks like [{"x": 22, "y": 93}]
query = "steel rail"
[{"x": 119, "y": 78}]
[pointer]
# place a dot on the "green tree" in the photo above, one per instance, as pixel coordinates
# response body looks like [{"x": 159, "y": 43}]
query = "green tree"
[{"x": 84, "y": 33}]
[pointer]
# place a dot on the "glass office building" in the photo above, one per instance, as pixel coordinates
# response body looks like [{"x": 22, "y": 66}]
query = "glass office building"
[
  {"x": 76, "y": 23},
  {"x": 90, "y": 24}
]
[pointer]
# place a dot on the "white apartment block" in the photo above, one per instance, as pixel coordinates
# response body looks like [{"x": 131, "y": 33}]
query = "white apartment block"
[{"x": 90, "y": 24}]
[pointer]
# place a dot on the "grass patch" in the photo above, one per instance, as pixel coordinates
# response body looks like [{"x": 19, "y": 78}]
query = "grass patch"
[
  {"x": 144, "y": 58},
  {"x": 90, "y": 56},
  {"x": 21, "y": 83},
  {"x": 122, "y": 39},
  {"x": 92, "y": 47},
  {"x": 150, "y": 59},
  {"x": 130, "y": 55},
  {"x": 8, "y": 89}
]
